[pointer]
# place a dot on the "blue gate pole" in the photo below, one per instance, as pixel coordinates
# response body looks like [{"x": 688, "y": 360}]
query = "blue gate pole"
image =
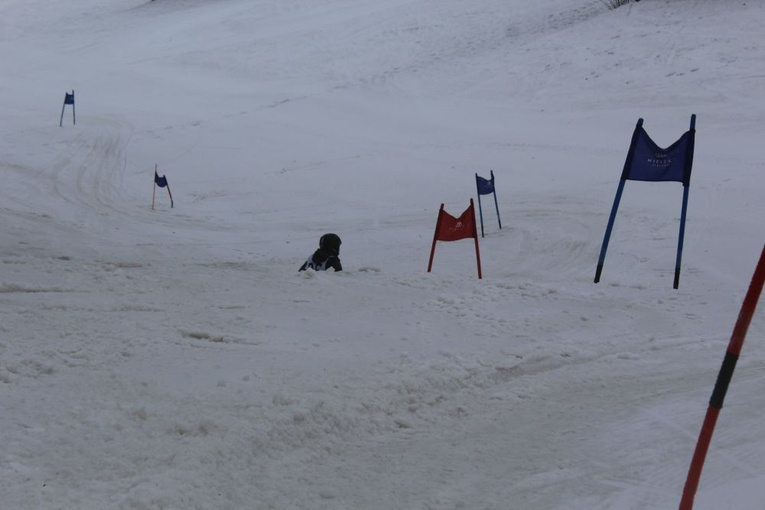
[
  {"x": 686, "y": 190},
  {"x": 610, "y": 227},
  {"x": 480, "y": 210},
  {"x": 496, "y": 204},
  {"x": 682, "y": 235}
]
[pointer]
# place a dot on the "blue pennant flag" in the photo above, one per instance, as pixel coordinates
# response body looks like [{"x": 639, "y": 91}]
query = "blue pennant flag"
[
  {"x": 485, "y": 186},
  {"x": 649, "y": 162},
  {"x": 160, "y": 181}
]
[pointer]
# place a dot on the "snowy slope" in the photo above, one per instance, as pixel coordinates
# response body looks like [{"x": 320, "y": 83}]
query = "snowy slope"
[{"x": 175, "y": 358}]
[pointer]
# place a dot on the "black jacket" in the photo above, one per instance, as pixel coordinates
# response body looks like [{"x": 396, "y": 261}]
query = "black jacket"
[{"x": 321, "y": 260}]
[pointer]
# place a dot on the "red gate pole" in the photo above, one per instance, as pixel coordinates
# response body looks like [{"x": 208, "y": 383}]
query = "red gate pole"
[
  {"x": 475, "y": 236},
  {"x": 435, "y": 237},
  {"x": 723, "y": 380}
]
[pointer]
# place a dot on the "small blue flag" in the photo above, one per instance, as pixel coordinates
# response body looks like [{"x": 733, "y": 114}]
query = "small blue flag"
[
  {"x": 485, "y": 186},
  {"x": 160, "y": 181},
  {"x": 68, "y": 98}
]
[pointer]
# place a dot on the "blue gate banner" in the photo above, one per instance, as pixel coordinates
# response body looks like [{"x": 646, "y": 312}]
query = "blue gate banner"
[
  {"x": 485, "y": 186},
  {"x": 160, "y": 181},
  {"x": 649, "y": 162}
]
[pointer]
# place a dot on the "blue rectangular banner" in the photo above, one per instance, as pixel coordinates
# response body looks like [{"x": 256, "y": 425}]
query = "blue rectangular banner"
[{"x": 653, "y": 163}]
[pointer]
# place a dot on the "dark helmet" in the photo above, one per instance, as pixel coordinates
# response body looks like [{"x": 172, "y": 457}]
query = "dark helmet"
[{"x": 330, "y": 242}]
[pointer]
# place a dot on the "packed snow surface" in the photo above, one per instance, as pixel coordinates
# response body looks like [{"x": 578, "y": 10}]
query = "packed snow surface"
[{"x": 176, "y": 359}]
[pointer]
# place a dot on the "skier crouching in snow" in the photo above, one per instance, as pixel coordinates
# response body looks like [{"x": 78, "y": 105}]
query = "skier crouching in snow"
[{"x": 326, "y": 256}]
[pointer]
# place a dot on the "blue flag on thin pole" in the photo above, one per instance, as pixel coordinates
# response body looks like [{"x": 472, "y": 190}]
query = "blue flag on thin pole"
[
  {"x": 162, "y": 183},
  {"x": 486, "y": 187},
  {"x": 646, "y": 161},
  {"x": 68, "y": 99}
]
